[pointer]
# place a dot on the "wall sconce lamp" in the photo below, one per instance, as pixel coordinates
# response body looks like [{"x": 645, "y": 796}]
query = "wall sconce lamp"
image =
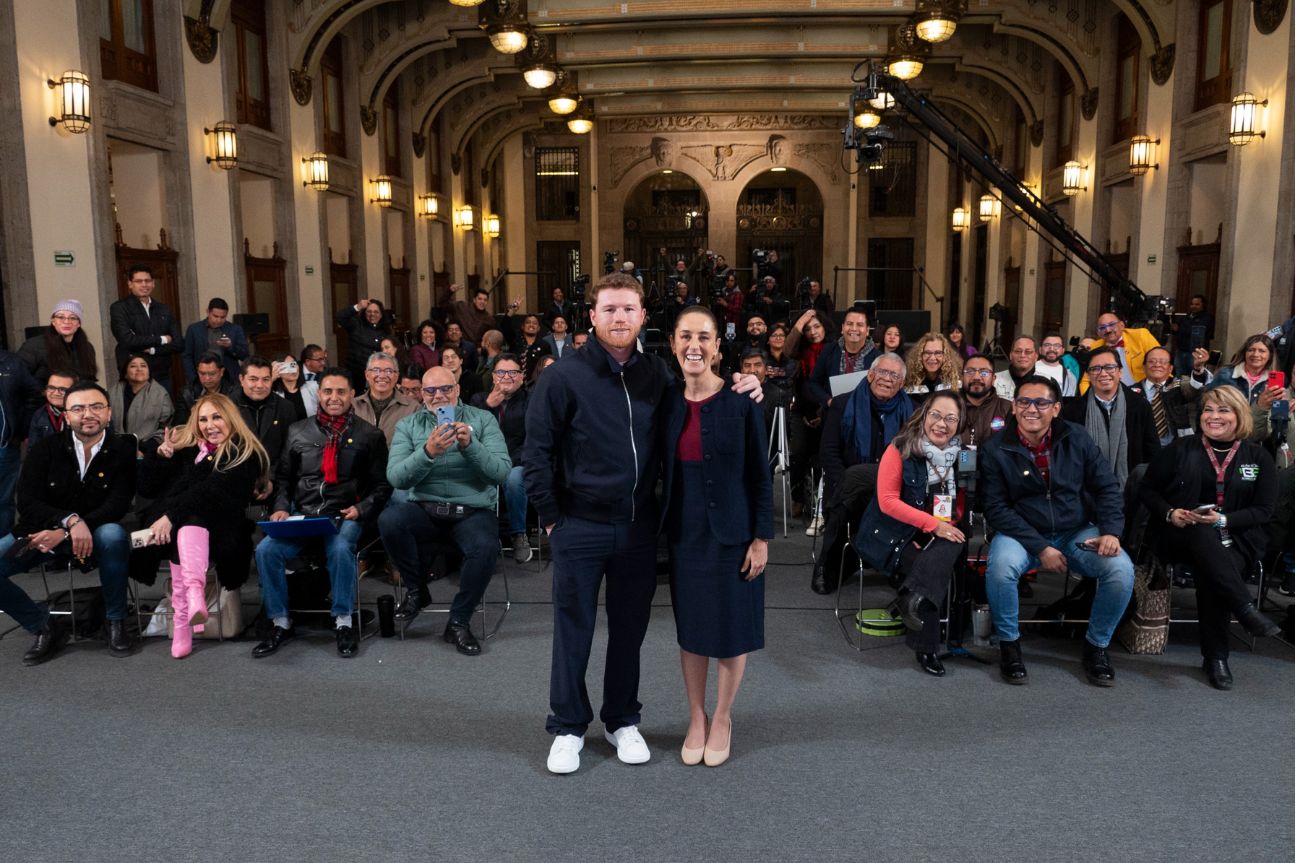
[
  {"x": 1142, "y": 157},
  {"x": 315, "y": 171},
  {"x": 428, "y": 207},
  {"x": 1073, "y": 177},
  {"x": 74, "y": 101},
  {"x": 224, "y": 145},
  {"x": 1243, "y": 119},
  {"x": 464, "y": 218},
  {"x": 988, "y": 207},
  {"x": 382, "y": 191},
  {"x": 959, "y": 221},
  {"x": 492, "y": 225}
]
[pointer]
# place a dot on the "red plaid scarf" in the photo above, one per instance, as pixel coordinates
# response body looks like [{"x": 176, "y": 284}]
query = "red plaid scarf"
[
  {"x": 1039, "y": 453},
  {"x": 332, "y": 427}
]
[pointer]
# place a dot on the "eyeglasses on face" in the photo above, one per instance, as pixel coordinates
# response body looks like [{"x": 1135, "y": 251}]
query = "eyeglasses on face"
[
  {"x": 382, "y": 373},
  {"x": 1107, "y": 328},
  {"x": 1023, "y": 352},
  {"x": 507, "y": 373},
  {"x": 933, "y": 355},
  {"x": 1104, "y": 369},
  {"x": 54, "y": 389},
  {"x": 66, "y": 319},
  {"x": 445, "y": 390},
  {"x": 947, "y": 419},
  {"x": 96, "y": 408},
  {"x": 410, "y": 391},
  {"x": 978, "y": 373},
  {"x": 1156, "y": 361},
  {"x": 888, "y": 375},
  {"x": 1038, "y": 404}
]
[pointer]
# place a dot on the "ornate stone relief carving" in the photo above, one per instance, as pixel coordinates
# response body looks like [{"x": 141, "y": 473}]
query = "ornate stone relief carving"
[
  {"x": 723, "y": 162},
  {"x": 1163, "y": 64},
  {"x": 1089, "y": 103},
  {"x": 624, "y": 158},
  {"x": 456, "y": 162},
  {"x": 1268, "y": 14},
  {"x": 419, "y": 142},
  {"x": 721, "y": 122},
  {"x": 1037, "y": 133},
  {"x": 203, "y": 40},
  {"x": 300, "y": 83},
  {"x": 826, "y": 156},
  {"x": 368, "y": 119}
]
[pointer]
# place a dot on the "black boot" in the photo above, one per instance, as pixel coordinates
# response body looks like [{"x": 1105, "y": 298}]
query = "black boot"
[
  {"x": 908, "y": 607},
  {"x": 1256, "y": 623},
  {"x": 1097, "y": 665},
  {"x": 119, "y": 643},
  {"x": 930, "y": 663},
  {"x": 1218, "y": 672},
  {"x": 411, "y": 605},
  {"x": 47, "y": 643},
  {"x": 1011, "y": 667}
]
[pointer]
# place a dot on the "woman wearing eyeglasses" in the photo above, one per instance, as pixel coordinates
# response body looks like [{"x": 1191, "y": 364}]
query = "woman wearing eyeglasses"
[
  {"x": 1210, "y": 497},
  {"x": 915, "y": 525},
  {"x": 63, "y": 345},
  {"x": 931, "y": 366}
]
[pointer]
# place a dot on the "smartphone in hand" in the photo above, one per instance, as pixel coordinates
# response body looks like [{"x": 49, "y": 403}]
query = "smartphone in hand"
[
  {"x": 445, "y": 415},
  {"x": 1276, "y": 380}
]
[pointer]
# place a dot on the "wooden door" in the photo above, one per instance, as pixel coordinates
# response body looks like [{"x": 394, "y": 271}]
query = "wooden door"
[
  {"x": 1198, "y": 274},
  {"x": 267, "y": 294},
  {"x": 164, "y": 262},
  {"x": 402, "y": 299},
  {"x": 344, "y": 290},
  {"x": 892, "y": 285},
  {"x": 1054, "y": 305},
  {"x": 1012, "y": 301},
  {"x": 1120, "y": 262}
]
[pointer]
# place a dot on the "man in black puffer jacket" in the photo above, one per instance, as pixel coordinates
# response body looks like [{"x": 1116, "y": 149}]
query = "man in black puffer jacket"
[
  {"x": 266, "y": 413},
  {"x": 334, "y": 465}
]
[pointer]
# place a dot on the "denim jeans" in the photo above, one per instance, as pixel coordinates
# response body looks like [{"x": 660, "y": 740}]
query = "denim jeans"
[
  {"x": 10, "y": 457},
  {"x": 1009, "y": 561},
  {"x": 272, "y": 555},
  {"x": 111, "y": 556},
  {"x": 516, "y": 500},
  {"x": 410, "y": 536}
]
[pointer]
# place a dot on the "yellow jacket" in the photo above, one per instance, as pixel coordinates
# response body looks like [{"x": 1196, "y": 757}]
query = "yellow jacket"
[{"x": 1137, "y": 343}]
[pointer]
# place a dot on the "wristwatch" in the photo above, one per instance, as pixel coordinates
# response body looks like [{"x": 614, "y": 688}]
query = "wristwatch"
[
  {"x": 71, "y": 521},
  {"x": 1170, "y": 516}
]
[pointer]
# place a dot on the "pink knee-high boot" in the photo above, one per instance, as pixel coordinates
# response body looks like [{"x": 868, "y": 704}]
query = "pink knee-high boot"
[
  {"x": 181, "y": 631},
  {"x": 192, "y": 547}
]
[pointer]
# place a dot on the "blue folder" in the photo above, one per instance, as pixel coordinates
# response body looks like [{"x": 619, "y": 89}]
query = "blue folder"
[{"x": 298, "y": 528}]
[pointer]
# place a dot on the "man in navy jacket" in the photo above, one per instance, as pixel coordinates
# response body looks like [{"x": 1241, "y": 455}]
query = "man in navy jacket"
[{"x": 215, "y": 333}]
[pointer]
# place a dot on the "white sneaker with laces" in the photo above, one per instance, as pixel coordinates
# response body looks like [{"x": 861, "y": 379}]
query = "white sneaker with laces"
[
  {"x": 816, "y": 526},
  {"x": 564, "y": 754},
  {"x": 629, "y": 744}
]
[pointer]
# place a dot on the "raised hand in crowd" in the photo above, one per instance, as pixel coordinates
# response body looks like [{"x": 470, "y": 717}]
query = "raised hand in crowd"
[{"x": 166, "y": 449}]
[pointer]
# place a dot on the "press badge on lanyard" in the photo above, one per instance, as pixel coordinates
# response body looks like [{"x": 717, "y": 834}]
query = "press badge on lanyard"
[{"x": 943, "y": 506}]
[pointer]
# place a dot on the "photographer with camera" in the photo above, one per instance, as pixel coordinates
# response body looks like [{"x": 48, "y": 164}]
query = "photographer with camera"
[{"x": 810, "y": 295}]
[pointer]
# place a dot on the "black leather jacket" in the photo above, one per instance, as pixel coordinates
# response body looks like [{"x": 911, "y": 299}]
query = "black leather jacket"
[{"x": 362, "y": 471}]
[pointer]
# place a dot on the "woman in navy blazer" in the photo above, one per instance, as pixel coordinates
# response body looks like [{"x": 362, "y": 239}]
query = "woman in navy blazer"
[{"x": 719, "y": 517}]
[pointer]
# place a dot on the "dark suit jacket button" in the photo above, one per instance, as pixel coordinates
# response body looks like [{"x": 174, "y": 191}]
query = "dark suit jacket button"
[
  {"x": 711, "y": 504},
  {"x": 707, "y": 456}
]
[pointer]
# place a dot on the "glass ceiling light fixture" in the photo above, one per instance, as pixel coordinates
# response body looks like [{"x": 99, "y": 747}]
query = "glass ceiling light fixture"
[
  {"x": 564, "y": 99},
  {"x": 863, "y": 114},
  {"x": 467, "y": 4},
  {"x": 74, "y": 101},
  {"x": 883, "y": 101},
  {"x": 1142, "y": 155},
  {"x": 581, "y": 121},
  {"x": 539, "y": 76},
  {"x": 1243, "y": 119},
  {"x": 539, "y": 68},
  {"x": 906, "y": 53},
  {"x": 505, "y": 22},
  {"x": 936, "y": 20}
]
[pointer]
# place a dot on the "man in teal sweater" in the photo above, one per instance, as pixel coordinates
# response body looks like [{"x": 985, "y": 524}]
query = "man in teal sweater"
[{"x": 452, "y": 472}]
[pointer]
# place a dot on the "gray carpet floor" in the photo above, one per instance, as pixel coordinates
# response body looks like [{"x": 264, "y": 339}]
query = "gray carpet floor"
[{"x": 412, "y": 752}]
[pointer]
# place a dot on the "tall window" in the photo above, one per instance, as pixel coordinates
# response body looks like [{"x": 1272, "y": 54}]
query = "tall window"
[
  {"x": 892, "y": 189},
  {"x": 1214, "y": 75},
  {"x": 334, "y": 99},
  {"x": 471, "y": 182},
  {"x": 391, "y": 131},
  {"x": 126, "y": 49},
  {"x": 1127, "y": 80},
  {"x": 252, "y": 83},
  {"x": 1065, "y": 118},
  {"x": 434, "y": 161},
  {"x": 557, "y": 178}
]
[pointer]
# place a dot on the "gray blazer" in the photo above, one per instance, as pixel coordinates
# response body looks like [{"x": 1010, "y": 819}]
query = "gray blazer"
[{"x": 150, "y": 411}]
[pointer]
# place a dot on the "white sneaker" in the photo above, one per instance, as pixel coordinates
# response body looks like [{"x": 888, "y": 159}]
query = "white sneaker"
[
  {"x": 816, "y": 526},
  {"x": 629, "y": 744},
  {"x": 564, "y": 755}
]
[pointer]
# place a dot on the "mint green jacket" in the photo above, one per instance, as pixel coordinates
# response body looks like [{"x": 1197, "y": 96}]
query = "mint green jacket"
[{"x": 470, "y": 476}]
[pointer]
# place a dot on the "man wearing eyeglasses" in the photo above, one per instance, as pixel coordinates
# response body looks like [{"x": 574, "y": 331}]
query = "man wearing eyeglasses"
[
  {"x": 1117, "y": 417},
  {"x": 382, "y": 404},
  {"x": 49, "y": 418},
  {"x": 507, "y": 402},
  {"x": 451, "y": 458},
  {"x": 74, "y": 488},
  {"x": 1037, "y": 478},
  {"x": 987, "y": 411},
  {"x": 1130, "y": 343},
  {"x": 1174, "y": 403},
  {"x": 141, "y": 324},
  {"x": 1054, "y": 362}
]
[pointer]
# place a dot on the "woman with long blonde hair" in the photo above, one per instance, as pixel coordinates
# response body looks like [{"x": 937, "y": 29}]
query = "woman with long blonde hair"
[
  {"x": 932, "y": 365},
  {"x": 203, "y": 475}
]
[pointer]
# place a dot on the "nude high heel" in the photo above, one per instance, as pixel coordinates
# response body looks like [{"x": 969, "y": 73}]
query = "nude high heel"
[
  {"x": 692, "y": 757},
  {"x": 716, "y": 757}
]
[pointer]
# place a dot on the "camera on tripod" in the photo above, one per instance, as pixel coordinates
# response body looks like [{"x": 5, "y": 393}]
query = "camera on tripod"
[
  {"x": 579, "y": 284},
  {"x": 609, "y": 261},
  {"x": 998, "y": 313}
]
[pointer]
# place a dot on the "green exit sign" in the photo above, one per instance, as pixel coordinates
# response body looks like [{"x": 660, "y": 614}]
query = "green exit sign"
[
  {"x": 64, "y": 259},
  {"x": 1151, "y": 259}
]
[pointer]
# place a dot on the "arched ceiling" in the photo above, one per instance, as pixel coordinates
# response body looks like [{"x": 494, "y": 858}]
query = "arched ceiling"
[{"x": 675, "y": 56}]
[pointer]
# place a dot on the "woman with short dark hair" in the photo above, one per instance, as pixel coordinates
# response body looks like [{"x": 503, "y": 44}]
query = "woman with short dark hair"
[{"x": 140, "y": 405}]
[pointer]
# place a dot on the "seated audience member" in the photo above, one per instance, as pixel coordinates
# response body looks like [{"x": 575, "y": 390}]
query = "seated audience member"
[
  {"x": 1034, "y": 478},
  {"x": 492, "y": 345},
  {"x": 893, "y": 339},
  {"x": 545, "y": 362},
  {"x": 393, "y": 349},
  {"x": 334, "y": 465},
  {"x": 781, "y": 366},
  {"x": 314, "y": 360},
  {"x": 74, "y": 488},
  {"x": 140, "y": 405},
  {"x": 382, "y": 405},
  {"x": 61, "y": 345},
  {"x": 559, "y": 307},
  {"x": 507, "y": 402},
  {"x": 1054, "y": 362},
  {"x": 915, "y": 524},
  {"x": 290, "y": 382},
  {"x": 958, "y": 338},
  {"x": 366, "y": 325},
  {"x": 528, "y": 346},
  {"x": 1210, "y": 498},
  {"x": 201, "y": 478},
  {"x": 857, "y": 429},
  {"x": 853, "y": 352},
  {"x": 1021, "y": 365},
  {"x": 426, "y": 352},
  {"x": 454, "y": 338},
  {"x": 1248, "y": 371},
  {"x": 411, "y": 382},
  {"x": 819, "y": 301},
  {"x": 987, "y": 411},
  {"x": 268, "y": 415},
  {"x": 453, "y": 361},
  {"x": 218, "y": 335},
  {"x": 579, "y": 338},
  {"x": 452, "y": 472},
  {"x": 754, "y": 362},
  {"x": 557, "y": 340},
  {"x": 1116, "y": 417},
  {"x": 210, "y": 380},
  {"x": 472, "y": 317},
  {"x": 1130, "y": 344},
  {"x": 1173, "y": 402},
  {"x": 18, "y": 390},
  {"x": 49, "y": 417},
  {"x": 805, "y": 343},
  {"x": 932, "y": 366}
]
